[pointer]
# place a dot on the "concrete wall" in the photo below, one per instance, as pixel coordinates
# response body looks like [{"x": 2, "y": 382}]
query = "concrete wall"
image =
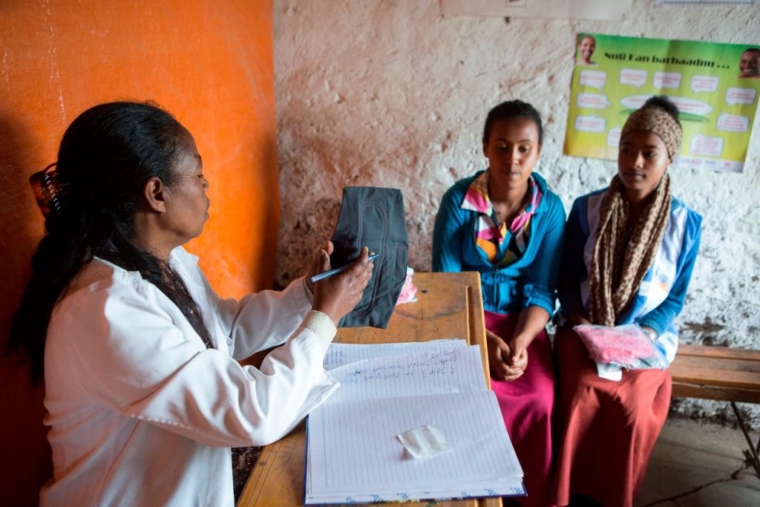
[
  {"x": 390, "y": 93},
  {"x": 211, "y": 65}
]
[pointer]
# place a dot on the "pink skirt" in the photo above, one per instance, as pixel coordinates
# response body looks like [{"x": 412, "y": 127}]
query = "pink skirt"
[
  {"x": 527, "y": 404},
  {"x": 609, "y": 428}
]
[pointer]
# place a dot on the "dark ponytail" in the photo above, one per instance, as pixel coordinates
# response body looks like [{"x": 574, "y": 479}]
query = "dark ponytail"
[{"x": 106, "y": 157}]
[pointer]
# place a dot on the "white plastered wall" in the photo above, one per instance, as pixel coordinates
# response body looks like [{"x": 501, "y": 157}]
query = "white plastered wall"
[{"x": 392, "y": 94}]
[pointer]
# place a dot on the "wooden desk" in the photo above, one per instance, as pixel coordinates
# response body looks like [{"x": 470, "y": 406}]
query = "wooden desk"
[{"x": 449, "y": 305}]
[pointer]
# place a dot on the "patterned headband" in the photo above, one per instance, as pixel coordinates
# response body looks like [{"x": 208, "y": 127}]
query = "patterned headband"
[
  {"x": 48, "y": 191},
  {"x": 657, "y": 120}
]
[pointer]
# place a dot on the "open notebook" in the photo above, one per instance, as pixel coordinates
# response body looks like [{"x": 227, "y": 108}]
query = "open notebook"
[{"x": 353, "y": 455}]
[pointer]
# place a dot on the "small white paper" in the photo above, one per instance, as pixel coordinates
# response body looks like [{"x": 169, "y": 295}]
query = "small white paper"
[
  {"x": 424, "y": 442},
  {"x": 609, "y": 371}
]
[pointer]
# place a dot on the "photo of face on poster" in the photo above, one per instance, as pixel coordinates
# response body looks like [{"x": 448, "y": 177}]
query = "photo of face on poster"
[
  {"x": 749, "y": 64},
  {"x": 586, "y": 48}
]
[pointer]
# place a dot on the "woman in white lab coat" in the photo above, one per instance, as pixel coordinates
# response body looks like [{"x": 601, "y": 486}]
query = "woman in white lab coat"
[{"x": 143, "y": 391}]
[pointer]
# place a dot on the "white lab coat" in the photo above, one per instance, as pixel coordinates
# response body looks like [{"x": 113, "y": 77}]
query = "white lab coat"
[{"x": 141, "y": 413}]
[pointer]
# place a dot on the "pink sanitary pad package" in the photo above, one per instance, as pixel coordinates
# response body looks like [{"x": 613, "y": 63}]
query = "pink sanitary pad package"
[
  {"x": 626, "y": 346},
  {"x": 408, "y": 290}
]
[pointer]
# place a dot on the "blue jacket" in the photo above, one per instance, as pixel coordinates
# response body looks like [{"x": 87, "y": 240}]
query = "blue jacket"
[
  {"x": 529, "y": 281},
  {"x": 661, "y": 295}
]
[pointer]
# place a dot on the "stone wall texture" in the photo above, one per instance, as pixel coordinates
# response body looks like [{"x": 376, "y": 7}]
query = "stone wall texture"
[{"x": 390, "y": 93}]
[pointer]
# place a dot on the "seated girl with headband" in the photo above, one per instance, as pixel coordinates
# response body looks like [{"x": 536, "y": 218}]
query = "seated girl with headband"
[{"x": 628, "y": 257}]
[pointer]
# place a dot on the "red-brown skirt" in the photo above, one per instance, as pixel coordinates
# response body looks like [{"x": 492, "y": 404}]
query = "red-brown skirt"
[{"x": 608, "y": 428}]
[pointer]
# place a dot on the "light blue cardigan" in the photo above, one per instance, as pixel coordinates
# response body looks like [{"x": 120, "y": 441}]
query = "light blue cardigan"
[
  {"x": 662, "y": 293},
  {"x": 529, "y": 281}
]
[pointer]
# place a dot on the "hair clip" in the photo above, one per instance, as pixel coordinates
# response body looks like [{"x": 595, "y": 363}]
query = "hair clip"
[{"x": 48, "y": 190}]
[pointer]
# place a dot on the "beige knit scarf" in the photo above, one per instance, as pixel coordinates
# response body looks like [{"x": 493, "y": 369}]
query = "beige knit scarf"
[{"x": 624, "y": 252}]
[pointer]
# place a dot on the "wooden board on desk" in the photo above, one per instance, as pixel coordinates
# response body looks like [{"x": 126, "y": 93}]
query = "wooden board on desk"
[{"x": 449, "y": 305}]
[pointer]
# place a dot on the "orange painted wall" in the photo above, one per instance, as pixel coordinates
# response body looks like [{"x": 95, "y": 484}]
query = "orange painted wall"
[{"x": 210, "y": 63}]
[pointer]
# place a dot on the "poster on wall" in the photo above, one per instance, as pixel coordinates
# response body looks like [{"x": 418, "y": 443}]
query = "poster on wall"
[
  {"x": 715, "y": 87},
  {"x": 558, "y": 9}
]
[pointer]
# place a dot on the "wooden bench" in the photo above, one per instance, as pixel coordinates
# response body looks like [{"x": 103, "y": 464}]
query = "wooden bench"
[{"x": 720, "y": 373}]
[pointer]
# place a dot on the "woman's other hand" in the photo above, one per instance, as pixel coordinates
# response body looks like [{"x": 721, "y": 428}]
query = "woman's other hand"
[
  {"x": 499, "y": 358},
  {"x": 339, "y": 294}
]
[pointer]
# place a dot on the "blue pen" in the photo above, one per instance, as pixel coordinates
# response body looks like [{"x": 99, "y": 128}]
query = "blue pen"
[{"x": 335, "y": 271}]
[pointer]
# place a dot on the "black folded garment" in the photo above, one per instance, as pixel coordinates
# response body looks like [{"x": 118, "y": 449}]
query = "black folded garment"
[{"x": 373, "y": 217}]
